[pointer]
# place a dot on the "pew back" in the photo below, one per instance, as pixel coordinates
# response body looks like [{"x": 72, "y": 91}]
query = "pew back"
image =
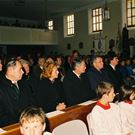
[{"x": 71, "y": 113}]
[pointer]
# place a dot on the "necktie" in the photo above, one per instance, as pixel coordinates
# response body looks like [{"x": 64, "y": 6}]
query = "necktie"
[{"x": 15, "y": 85}]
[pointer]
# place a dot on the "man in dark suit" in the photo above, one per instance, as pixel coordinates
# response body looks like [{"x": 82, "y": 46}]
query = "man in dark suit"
[
  {"x": 113, "y": 73},
  {"x": 14, "y": 93},
  {"x": 96, "y": 74},
  {"x": 75, "y": 83},
  {"x": 37, "y": 69}
]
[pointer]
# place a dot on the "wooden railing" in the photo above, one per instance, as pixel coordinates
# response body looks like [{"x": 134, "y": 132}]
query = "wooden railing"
[{"x": 74, "y": 112}]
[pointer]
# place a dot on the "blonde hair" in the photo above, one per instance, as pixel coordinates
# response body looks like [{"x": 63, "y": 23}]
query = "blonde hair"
[
  {"x": 47, "y": 70},
  {"x": 32, "y": 114},
  {"x": 104, "y": 88}
]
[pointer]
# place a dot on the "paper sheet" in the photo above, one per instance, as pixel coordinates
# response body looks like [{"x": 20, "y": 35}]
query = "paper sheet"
[
  {"x": 2, "y": 131},
  {"x": 54, "y": 113}
]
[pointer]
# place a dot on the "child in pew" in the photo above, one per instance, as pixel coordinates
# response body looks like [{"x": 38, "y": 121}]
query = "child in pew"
[
  {"x": 127, "y": 109},
  {"x": 105, "y": 116},
  {"x": 32, "y": 122}
]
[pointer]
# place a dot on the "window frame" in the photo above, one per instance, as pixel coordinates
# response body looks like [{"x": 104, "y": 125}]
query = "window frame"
[
  {"x": 97, "y": 19},
  {"x": 131, "y": 17},
  {"x": 50, "y": 25},
  {"x": 69, "y": 25}
]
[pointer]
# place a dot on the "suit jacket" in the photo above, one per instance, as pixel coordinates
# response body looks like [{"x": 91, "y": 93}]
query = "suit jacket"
[
  {"x": 37, "y": 71},
  {"x": 49, "y": 94},
  {"x": 115, "y": 77},
  {"x": 11, "y": 102},
  {"x": 76, "y": 90},
  {"x": 95, "y": 77}
]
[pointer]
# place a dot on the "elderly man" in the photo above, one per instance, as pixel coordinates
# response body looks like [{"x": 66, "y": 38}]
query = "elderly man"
[
  {"x": 75, "y": 83},
  {"x": 96, "y": 74},
  {"x": 14, "y": 94}
]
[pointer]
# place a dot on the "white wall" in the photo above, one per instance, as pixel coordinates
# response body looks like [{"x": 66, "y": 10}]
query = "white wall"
[
  {"x": 110, "y": 29},
  {"x": 16, "y": 35}
]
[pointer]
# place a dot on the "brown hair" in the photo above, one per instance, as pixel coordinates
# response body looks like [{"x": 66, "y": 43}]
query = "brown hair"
[
  {"x": 104, "y": 88},
  {"x": 126, "y": 92},
  {"x": 47, "y": 70}
]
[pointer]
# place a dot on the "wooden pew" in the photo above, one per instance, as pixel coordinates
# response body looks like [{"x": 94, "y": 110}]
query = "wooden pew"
[
  {"x": 12, "y": 130},
  {"x": 71, "y": 113},
  {"x": 75, "y": 112}
]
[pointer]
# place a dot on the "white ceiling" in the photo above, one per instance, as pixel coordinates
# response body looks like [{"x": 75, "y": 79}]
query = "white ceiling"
[{"x": 41, "y": 9}]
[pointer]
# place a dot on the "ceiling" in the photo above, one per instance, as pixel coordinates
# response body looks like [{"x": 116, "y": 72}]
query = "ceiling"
[{"x": 41, "y": 9}]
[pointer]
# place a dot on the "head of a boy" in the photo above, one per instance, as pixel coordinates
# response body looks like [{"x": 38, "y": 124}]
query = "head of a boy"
[
  {"x": 32, "y": 121},
  {"x": 105, "y": 91}
]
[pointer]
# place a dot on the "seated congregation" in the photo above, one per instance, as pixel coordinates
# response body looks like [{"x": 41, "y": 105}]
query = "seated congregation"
[
  {"x": 106, "y": 117},
  {"x": 53, "y": 85}
]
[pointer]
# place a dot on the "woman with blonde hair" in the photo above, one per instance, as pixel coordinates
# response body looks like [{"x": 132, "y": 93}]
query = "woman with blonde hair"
[{"x": 49, "y": 94}]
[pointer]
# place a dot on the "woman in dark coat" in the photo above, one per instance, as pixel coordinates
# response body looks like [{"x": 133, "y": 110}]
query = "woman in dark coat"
[{"x": 49, "y": 93}]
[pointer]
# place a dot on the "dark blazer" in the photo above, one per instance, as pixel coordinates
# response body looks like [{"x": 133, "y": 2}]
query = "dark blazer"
[
  {"x": 95, "y": 77},
  {"x": 115, "y": 77},
  {"x": 76, "y": 90},
  {"x": 12, "y": 103},
  {"x": 37, "y": 71},
  {"x": 49, "y": 94}
]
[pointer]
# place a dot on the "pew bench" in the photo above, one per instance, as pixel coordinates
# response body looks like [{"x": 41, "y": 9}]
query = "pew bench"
[{"x": 74, "y": 112}]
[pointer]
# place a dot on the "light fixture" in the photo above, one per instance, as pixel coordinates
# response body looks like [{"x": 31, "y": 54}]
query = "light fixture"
[{"x": 106, "y": 12}]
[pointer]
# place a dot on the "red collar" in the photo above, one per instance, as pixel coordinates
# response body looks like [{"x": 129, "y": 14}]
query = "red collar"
[
  {"x": 128, "y": 101},
  {"x": 105, "y": 107}
]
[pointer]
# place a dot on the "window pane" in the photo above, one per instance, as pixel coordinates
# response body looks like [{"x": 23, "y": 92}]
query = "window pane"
[
  {"x": 133, "y": 21},
  {"x": 94, "y": 27},
  {"x": 96, "y": 11},
  {"x": 100, "y": 26},
  {"x": 128, "y": 3},
  {"x": 97, "y": 26},
  {"x": 133, "y": 3},
  {"x": 73, "y": 24},
  {"x": 99, "y": 10},
  {"x": 50, "y": 25},
  {"x": 67, "y": 25},
  {"x": 72, "y": 31},
  {"x": 94, "y": 19},
  {"x": 68, "y": 31},
  {"x": 72, "y": 18},
  {"x": 133, "y": 11},
  {"x": 100, "y": 18},
  {"x": 93, "y": 12},
  {"x": 129, "y": 21},
  {"x": 129, "y": 12}
]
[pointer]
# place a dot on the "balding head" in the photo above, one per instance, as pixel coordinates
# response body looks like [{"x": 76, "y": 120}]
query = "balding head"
[{"x": 14, "y": 70}]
